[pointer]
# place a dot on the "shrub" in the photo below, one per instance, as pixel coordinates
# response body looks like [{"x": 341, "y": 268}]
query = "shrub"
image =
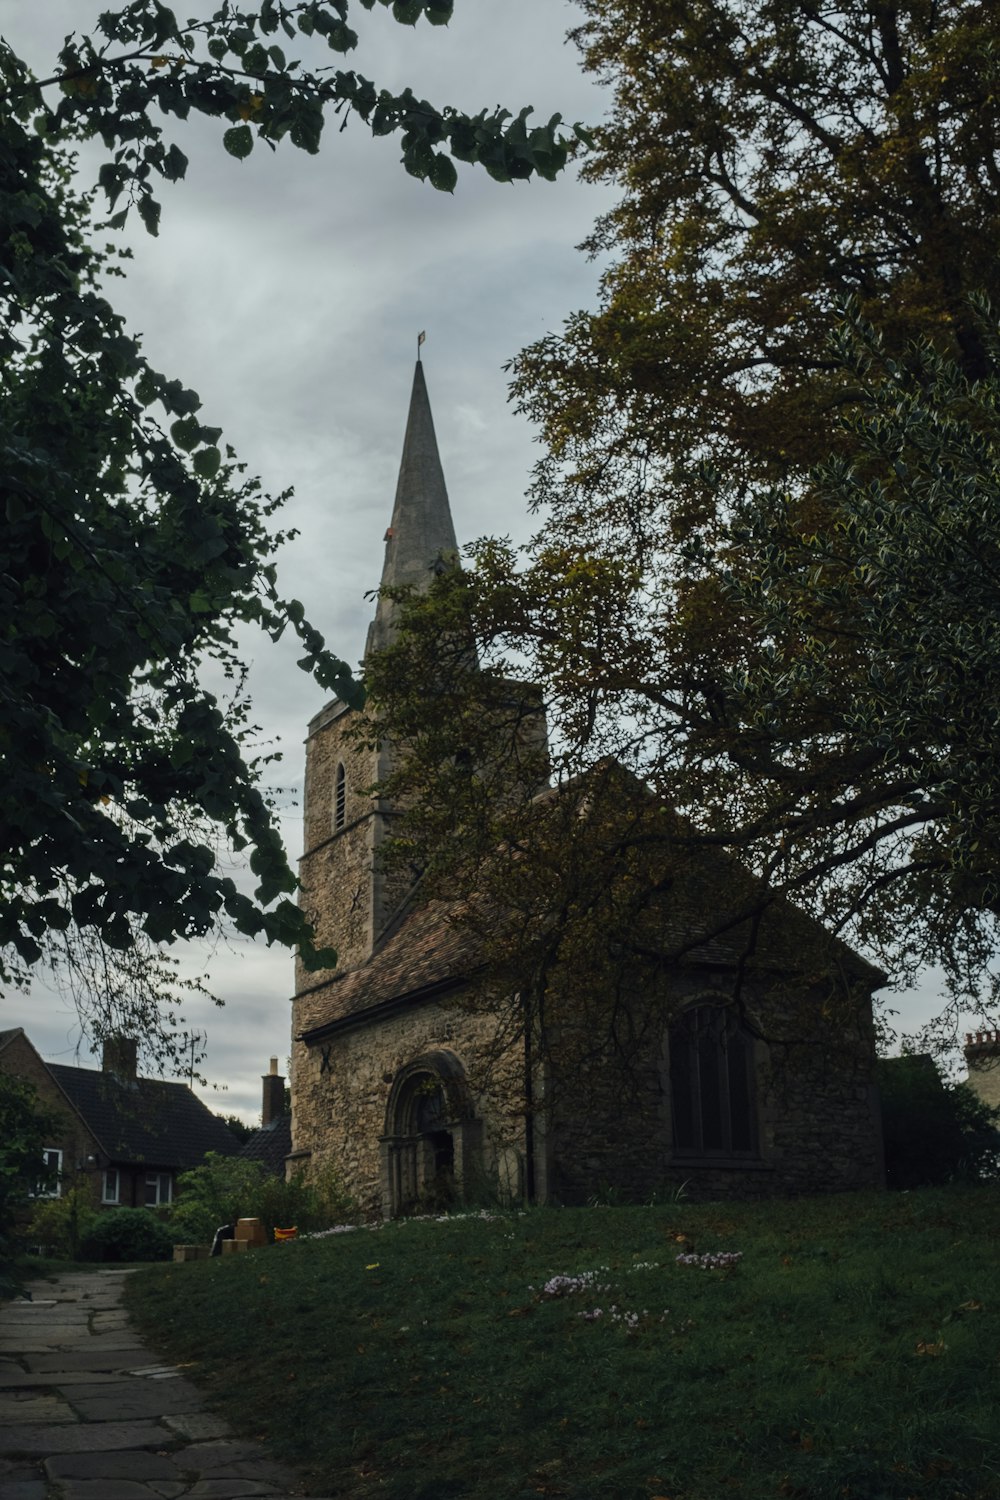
[
  {"x": 220, "y": 1191},
  {"x": 61, "y": 1224},
  {"x": 225, "y": 1189},
  {"x": 127, "y": 1234},
  {"x": 934, "y": 1132}
]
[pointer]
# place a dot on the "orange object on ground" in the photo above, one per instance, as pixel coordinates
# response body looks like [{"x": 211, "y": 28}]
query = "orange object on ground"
[{"x": 285, "y": 1234}]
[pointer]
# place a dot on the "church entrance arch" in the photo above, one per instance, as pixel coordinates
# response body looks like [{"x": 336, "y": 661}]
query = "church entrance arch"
[{"x": 431, "y": 1143}]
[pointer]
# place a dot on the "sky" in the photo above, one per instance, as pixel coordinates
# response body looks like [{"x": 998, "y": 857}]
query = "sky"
[{"x": 289, "y": 290}]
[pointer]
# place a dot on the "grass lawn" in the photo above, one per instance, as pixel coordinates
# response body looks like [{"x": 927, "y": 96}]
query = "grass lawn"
[{"x": 851, "y": 1353}]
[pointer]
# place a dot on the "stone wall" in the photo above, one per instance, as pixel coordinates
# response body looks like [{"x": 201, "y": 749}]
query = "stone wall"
[
  {"x": 336, "y": 866},
  {"x": 816, "y": 1110},
  {"x": 343, "y": 1085},
  {"x": 603, "y": 1120}
]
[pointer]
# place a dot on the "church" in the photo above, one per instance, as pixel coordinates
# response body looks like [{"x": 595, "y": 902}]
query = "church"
[{"x": 422, "y": 1087}]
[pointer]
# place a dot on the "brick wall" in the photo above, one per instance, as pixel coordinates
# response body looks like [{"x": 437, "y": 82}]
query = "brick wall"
[{"x": 20, "y": 1060}]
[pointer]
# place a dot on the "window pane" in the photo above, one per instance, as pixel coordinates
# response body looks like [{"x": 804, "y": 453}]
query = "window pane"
[
  {"x": 681, "y": 1091},
  {"x": 711, "y": 1063},
  {"x": 740, "y": 1101}
]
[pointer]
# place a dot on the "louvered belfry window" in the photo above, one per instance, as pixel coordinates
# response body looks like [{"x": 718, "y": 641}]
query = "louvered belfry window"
[{"x": 340, "y": 799}]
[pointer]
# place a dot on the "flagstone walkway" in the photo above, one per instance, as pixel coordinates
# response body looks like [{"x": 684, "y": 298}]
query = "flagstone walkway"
[{"x": 87, "y": 1412}]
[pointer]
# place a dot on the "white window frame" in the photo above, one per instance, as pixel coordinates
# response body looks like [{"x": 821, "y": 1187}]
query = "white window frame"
[
  {"x": 162, "y": 1184},
  {"x": 109, "y": 1194},
  {"x": 53, "y": 1190}
]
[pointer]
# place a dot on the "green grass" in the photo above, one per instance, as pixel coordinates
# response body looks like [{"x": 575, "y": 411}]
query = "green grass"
[{"x": 851, "y": 1355}]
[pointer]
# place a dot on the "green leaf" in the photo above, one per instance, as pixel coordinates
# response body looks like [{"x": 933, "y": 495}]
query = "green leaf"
[
  {"x": 443, "y": 173},
  {"x": 238, "y": 141},
  {"x": 174, "y": 164},
  {"x": 186, "y": 433},
  {"x": 149, "y": 213},
  {"x": 207, "y": 462}
]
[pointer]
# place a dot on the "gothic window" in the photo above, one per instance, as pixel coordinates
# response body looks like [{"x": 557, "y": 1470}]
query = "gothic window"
[
  {"x": 712, "y": 1084},
  {"x": 340, "y": 799}
]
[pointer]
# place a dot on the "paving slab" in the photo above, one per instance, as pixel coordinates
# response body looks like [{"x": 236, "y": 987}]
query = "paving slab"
[
  {"x": 206, "y": 1458},
  {"x": 39, "y": 1440},
  {"x": 86, "y": 1358},
  {"x": 18, "y": 1378},
  {"x": 131, "y": 1398},
  {"x": 135, "y": 1465},
  {"x": 23, "y": 1489},
  {"x": 29, "y": 1406},
  {"x": 195, "y": 1425},
  {"x": 122, "y": 1489}
]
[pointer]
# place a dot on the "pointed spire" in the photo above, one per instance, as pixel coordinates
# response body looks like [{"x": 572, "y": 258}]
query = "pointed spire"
[{"x": 421, "y": 534}]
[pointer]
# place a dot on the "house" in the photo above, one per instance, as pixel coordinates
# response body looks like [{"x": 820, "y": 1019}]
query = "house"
[
  {"x": 272, "y": 1143},
  {"x": 125, "y": 1137},
  {"x": 420, "y": 1078}
]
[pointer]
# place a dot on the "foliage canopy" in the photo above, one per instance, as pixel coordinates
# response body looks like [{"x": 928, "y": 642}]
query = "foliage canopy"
[
  {"x": 765, "y": 575},
  {"x": 134, "y": 546}
]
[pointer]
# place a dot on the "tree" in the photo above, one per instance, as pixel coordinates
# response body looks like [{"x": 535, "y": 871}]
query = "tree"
[
  {"x": 765, "y": 578},
  {"x": 134, "y": 546},
  {"x": 25, "y": 1130}
]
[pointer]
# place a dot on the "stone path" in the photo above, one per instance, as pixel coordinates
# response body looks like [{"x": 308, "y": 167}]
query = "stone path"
[{"x": 88, "y": 1413}]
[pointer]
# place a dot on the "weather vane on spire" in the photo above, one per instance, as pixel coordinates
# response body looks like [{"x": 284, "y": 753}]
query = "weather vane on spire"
[{"x": 420, "y": 339}]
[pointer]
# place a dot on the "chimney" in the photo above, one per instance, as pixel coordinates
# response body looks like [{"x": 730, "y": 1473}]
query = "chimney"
[
  {"x": 273, "y": 1105},
  {"x": 119, "y": 1058}
]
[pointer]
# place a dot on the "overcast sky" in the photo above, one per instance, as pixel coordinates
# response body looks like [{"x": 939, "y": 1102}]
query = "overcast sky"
[{"x": 288, "y": 290}]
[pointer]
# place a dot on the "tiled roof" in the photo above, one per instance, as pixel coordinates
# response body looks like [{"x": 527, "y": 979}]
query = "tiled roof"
[
  {"x": 432, "y": 944},
  {"x": 428, "y": 948},
  {"x": 163, "y": 1124},
  {"x": 270, "y": 1145}
]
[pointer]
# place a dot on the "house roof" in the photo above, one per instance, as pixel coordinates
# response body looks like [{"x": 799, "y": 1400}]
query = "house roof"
[
  {"x": 148, "y": 1120},
  {"x": 270, "y": 1145}
]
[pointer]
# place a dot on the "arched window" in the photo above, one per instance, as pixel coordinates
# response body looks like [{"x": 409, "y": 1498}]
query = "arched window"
[
  {"x": 712, "y": 1084},
  {"x": 340, "y": 799}
]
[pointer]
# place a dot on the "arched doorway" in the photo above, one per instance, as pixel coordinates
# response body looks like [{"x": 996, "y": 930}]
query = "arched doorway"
[{"x": 430, "y": 1138}]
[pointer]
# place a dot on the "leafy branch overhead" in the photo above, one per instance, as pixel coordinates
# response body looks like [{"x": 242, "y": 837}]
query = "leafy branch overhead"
[
  {"x": 765, "y": 574},
  {"x": 238, "y": 66},
  {"x": 132, "y": 547},
  {"x": 135, "y": 548}
]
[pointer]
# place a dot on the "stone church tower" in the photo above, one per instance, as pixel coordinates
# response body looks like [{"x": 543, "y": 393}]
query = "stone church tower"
[
  {"x": 418, "y": 1080},
  {"x": 350, "y": 898}
]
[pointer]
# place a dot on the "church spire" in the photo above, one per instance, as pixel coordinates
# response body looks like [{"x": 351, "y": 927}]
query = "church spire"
[{"x": 421, "y": 535}]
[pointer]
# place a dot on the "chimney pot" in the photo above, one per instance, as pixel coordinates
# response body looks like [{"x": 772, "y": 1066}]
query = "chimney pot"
[{"x": 273, "y": 1102}]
